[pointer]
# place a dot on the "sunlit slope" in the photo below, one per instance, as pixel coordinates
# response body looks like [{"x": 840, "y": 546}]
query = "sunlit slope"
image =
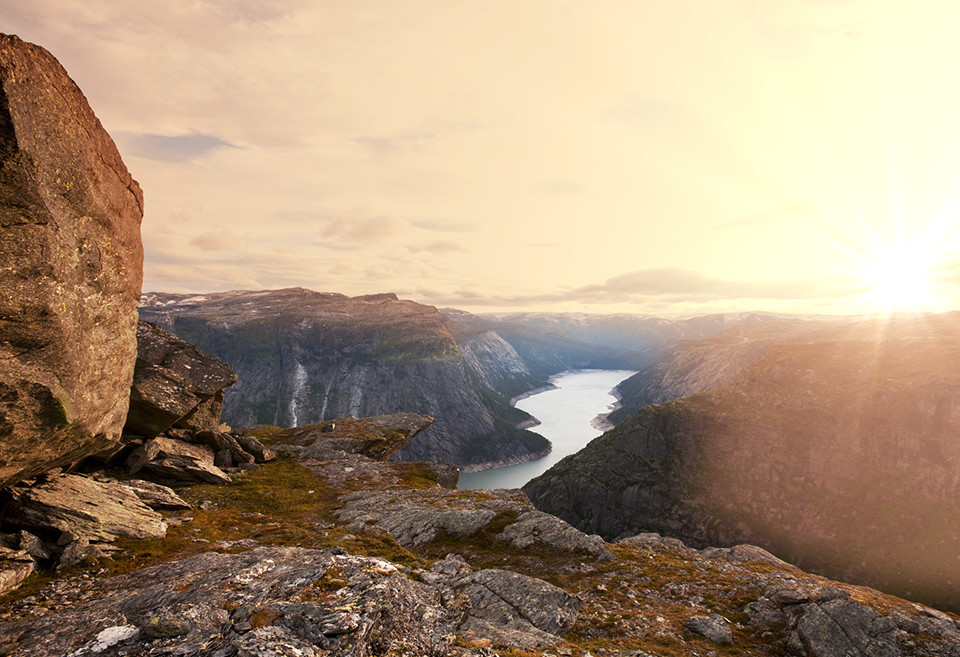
[
  {"x": 839, "y": 451},
  {"x": 691, "y": 366}
]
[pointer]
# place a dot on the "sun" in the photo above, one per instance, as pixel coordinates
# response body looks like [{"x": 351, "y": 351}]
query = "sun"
[{"x": 901, "y": 280}]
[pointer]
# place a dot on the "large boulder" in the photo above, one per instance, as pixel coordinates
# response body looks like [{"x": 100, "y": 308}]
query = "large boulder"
[
  {"x": 70, "y": 269},
  {"x": 175, "y": 461},
  {"x": 174, "y": 383}
]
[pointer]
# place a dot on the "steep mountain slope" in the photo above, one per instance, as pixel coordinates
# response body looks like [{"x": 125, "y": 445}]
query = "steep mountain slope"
[
  {"x": 304, "y": 356},
  {"x": 692, "y": 366},
  {"x": 837, "y": 452}
]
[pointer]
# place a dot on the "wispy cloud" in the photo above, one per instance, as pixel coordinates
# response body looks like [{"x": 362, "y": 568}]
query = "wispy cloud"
[
  {"x": 440, "y": 247},
  {"x": 666, "y": 286},
  {"x": 360, "y": 229},
  {"x": 176, "y": 148},
  {"x": 442, "y": 226}
]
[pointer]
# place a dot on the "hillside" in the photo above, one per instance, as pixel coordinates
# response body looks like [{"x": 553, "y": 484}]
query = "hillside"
[
  {"x": 304, "y": 356},
  {"x": 837, "y": 452}
]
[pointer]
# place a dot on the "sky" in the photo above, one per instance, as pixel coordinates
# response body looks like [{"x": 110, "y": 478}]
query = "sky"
[{"x": 605, "y": 156}]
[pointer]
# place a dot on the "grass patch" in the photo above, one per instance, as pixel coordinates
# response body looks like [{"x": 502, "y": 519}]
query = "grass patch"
[{"x": 281, "y": 504}]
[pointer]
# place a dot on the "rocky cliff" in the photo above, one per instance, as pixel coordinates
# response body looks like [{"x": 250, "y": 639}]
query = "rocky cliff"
[
  {"x": 304, "y": 356},
  {"x": 836, "y": 451},
  {"x": 70, "y": 269}
]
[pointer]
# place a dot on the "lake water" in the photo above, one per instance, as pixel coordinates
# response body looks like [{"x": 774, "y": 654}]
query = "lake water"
[{"x": 569, "y": 418}]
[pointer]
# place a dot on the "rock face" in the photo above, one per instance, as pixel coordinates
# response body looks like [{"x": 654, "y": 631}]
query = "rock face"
[
  {"x": 174, "y": 384},
  {"x": 71, "y": 269},
  {"x": 304, "y": 357},
  {"x": 836, "y": 452},
  {"x": 15, "y": 566},
  {"x": 177, "y": 461},
  {"x": 82, "y": 507}
]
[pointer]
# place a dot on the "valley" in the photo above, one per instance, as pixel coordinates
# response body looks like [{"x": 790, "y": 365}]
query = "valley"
[{"x": 305, "y": 356}]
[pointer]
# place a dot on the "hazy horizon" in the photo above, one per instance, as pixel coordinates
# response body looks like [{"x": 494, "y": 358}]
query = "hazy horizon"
[{"x": 604, "y": 157}]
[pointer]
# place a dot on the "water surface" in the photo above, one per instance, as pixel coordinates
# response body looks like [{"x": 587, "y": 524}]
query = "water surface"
[{"x": 570, "y": 416}]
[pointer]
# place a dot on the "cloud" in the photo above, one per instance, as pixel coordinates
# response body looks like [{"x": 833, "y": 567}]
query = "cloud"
[
  {"x": 216, "y": 240},
  {"x": 442, "y": 226},
  {"x": 440, "y": 247},
  {"x": 176, "y": 148},
  {"x": 360, "y": 229},
  {"x": 384, "y": 145}
]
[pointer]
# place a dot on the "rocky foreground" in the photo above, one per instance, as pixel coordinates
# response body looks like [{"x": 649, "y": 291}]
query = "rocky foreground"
[{"x": 325, "y": 551}]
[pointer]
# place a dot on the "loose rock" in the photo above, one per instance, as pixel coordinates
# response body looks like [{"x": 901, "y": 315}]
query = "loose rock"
[
  {"x": 714, "y": 627},
  {"x": 171, "y": 380}
]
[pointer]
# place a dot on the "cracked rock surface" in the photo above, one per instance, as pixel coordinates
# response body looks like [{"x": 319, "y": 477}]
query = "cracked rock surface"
[{"x": 289, "y": 601}]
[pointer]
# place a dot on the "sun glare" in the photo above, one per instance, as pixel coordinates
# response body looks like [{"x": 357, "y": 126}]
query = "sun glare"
[{"x": 901, "y": 281}]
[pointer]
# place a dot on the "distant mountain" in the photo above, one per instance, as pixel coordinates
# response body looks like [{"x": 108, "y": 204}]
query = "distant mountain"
[
  {"x": 642, "y": 336},
  {"x": 546, "y": 350},
  {"x": 836, "y": 449},
  {"x": 304, "y": 356}
]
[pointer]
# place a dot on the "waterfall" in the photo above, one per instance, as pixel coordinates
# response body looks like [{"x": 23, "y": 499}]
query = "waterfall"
[{"x": 299, "y": 383}]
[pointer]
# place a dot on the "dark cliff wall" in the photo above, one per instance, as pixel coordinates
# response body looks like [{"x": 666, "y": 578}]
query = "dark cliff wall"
[
  {"x": 838, "y": 454},
  {"x": 302, "y": 357}
]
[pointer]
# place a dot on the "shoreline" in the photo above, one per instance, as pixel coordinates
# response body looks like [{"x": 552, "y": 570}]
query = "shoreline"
[
  {"x": 531, "y": 393},
  {"x": 601, "y": 422},
  {"x": 493, "y": 465}
]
